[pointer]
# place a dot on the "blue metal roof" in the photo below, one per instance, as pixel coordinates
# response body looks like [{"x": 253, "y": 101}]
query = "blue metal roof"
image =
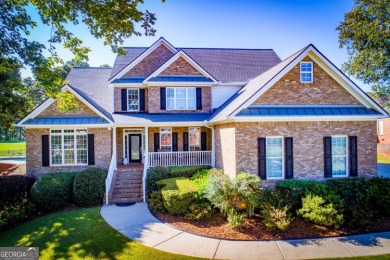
[
  {"x": 129, "y": 80},
  {"x": 180, "y": 79},
  {"x": 66, "y": 121},
  {"x": 308, "y": 111}
]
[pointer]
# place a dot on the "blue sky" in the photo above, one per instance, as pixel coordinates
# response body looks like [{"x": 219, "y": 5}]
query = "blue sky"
[{"x": 285, "y": 26}]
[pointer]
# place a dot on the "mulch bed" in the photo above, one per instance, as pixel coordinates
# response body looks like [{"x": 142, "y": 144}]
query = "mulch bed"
[{"x": 218, "y": 227}]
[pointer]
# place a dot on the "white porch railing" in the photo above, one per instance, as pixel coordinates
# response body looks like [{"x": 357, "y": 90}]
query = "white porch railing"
[
  {"x": 179, "y": 158},
  {"x": 110, "y": 175}
]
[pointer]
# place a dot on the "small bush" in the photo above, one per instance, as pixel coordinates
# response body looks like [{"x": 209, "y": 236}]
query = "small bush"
[
  {"x": 276, "y": 219},
  {"x": 220, "y": 191},
  {"x": 156, "y": 202},
  {"x": 271, "y": 197},
  {"x": 200, "y": 211},
  {"x": 378, "y": 193},
  {"x": 178, "y": 194},
  {"x": 235, "y": 219},
  {"x": 316, "y": 210},
  {"x": 247, "y": 190},
  {"x": 200, "y": 174},
  {"x": 184, "y": 171},
  {"x": 89, "y": 186},
  {"x": 53, "y": 191},
  {"x": 201, "y": 179},
  {"x": 154, "y": 175}
]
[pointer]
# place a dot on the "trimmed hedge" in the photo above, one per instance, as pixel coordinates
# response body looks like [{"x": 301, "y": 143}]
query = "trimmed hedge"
[
  {"x": 88, "y": 187},
  {"x": 15, "y": 202},
  {"x": 53, "y": 191},
  {"x": 184, "y": 171},
  {"x": 178, "y": 194}
]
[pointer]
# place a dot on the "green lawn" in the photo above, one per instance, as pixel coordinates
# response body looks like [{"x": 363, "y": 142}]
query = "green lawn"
[
  {"x": 383, "y": 159},
  {"x": 12, "y": 146},
  {"x": 79, "y": 234}
]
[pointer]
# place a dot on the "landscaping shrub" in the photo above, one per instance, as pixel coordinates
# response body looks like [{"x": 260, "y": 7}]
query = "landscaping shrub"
[
  {"x": 316, "y": 210},
  {"x": 200, "y": 211},
  {"x": 273, "y": 198},
  {"x": 15, "y": 202},
  {"x": 378, "y": 192},
  {"x": 156, "y": 202},
  {"x": 154, "y": 175},
  {"x": 201, "y": 179},
  {"x": 235, "y": 219},
  {"x": 53, "y": 191},
  {"x": 247, "y": 190},
  {"x": 276, "y": 218},
  {"x": 178, "y": 194},
  {"x": 89, "y": 186},
  {"x": 220, "y": 191},
  {"x": 184, "y": 171}
]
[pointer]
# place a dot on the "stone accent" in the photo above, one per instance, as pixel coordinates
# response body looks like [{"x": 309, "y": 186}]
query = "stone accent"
[
  {"x": 151, "y": 62},
  {"x": 103, "y": 148},
  {"x": 225, "y": 148},
  {"x": 290, "y": 91},
  {"x": 154, "y": 101},
  {"x": 118, "y": 100},
  {"x": 308, "y": 145},
  {"x": 119, "y": 145},
  {"x": 179, "y": 131},
  {"x": 83, "y": 109},
  {"x": 180, "y": 67}
]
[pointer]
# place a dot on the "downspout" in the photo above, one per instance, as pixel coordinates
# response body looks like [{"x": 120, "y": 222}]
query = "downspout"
[{"x": 212, "y": 144}]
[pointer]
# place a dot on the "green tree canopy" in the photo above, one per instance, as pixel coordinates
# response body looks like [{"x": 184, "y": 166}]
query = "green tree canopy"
[
  {"x": 110, "y": 20},
  {"x": 365, "y": 32}
]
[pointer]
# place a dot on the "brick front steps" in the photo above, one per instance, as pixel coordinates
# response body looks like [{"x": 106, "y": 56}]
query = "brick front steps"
[{"x": 126, "y": 184}]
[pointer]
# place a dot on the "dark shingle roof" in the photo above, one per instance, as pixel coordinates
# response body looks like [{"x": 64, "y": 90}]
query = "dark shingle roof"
[
  {"x": 225, "y": 65},
  {"x": 92, "y": 84}
]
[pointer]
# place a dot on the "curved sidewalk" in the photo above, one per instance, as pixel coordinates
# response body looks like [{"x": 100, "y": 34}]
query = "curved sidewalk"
[{"x": 137, "y": 223}]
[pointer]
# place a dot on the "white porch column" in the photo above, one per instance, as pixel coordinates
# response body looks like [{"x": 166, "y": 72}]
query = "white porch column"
[
  {"x": 114, "y": 151},
  {"x": 146, "y": 161},
  {"x": 212, "y": 148}
]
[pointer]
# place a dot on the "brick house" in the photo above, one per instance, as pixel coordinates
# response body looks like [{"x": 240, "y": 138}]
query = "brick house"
[{"x": 234, "y": 109}]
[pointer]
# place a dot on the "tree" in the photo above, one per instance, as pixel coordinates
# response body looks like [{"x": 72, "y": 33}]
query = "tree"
[
  {"x": 110, "y": 20},
  {"x": 65, "y": 69},
  {"x": 105, "y": 66},
  {"x": 365, "y": 32}
]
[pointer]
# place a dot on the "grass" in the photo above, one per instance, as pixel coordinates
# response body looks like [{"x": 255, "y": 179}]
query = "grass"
[
  {"x": 15, "y": 146},
  {"x": 79, "y": 234},
  {"x": 383, "y": 158}
]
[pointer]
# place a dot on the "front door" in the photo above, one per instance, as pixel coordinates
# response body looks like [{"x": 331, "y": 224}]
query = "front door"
[{"x": 135, "y": 152}]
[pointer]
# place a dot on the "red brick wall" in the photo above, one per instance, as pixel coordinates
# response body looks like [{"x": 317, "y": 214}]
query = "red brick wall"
[
  {"x": 154, "y": 101},
  {"x": 103, "y": 150},
  {"x": 225, "y": 148},
  {"x": 52, "y": 110},
  {"x": 308, "y": 145},
  {"x": 180, "y": 67},
  {"x": 151, "y": 62},
  {"x": 118, "y": 100},
  {"x": 323, "y": 90}
]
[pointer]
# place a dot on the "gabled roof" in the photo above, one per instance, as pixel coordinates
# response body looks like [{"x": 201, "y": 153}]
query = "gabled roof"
[{"x": 259, "y": 85}]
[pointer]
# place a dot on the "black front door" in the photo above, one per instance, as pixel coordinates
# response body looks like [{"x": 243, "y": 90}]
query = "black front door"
[{"x": 135, "y": 152}]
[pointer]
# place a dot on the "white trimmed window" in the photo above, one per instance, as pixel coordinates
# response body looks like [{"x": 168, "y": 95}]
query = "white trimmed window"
[
  {"x": 380, "y": 127},
  {"x": 339, "y": 156},
  {"x": 306, "y": 72},
  {"x": 69, "y": 147},
  {"x": 181, "y": 99},
  {"x": 194, "y": 138},
  {"x": 274, "y": 152},
  {"x": 133, "y": 99},
  {"x": 166, "y": 139}
]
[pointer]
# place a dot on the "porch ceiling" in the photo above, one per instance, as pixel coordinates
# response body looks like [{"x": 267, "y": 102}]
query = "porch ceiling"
[{"x": 144, "y": 118}]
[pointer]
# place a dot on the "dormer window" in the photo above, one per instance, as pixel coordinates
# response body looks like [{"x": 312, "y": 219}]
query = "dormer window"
[
  {"x": 306, "y": 72},
  {"x": 133, "y": 99}
]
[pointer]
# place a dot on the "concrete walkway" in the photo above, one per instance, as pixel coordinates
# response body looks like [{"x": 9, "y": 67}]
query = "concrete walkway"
[{"x": 138, "y": 224}]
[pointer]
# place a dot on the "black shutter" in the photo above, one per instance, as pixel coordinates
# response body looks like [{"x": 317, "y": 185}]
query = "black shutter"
[
  {"x": 142, "y": 99},
  {"x": 203, "y": 141},
  {"x": 124, "y": 99},
  {"x": 91, "y": 149},
  {"x": 353, "y": 160},
  {"x": 327, "y": 157},
  {"x": 289, "y": 162},
  {"x": 185, "y": 141},
  {"x": 262, "y": 158},
  {"x": 174, "y": 142},
  {"x": 198, "y": 98},
  {"x": 156, "y": 142},
  {"x": 163, "y": 99},
  {"x": 45, "y": 151}
]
